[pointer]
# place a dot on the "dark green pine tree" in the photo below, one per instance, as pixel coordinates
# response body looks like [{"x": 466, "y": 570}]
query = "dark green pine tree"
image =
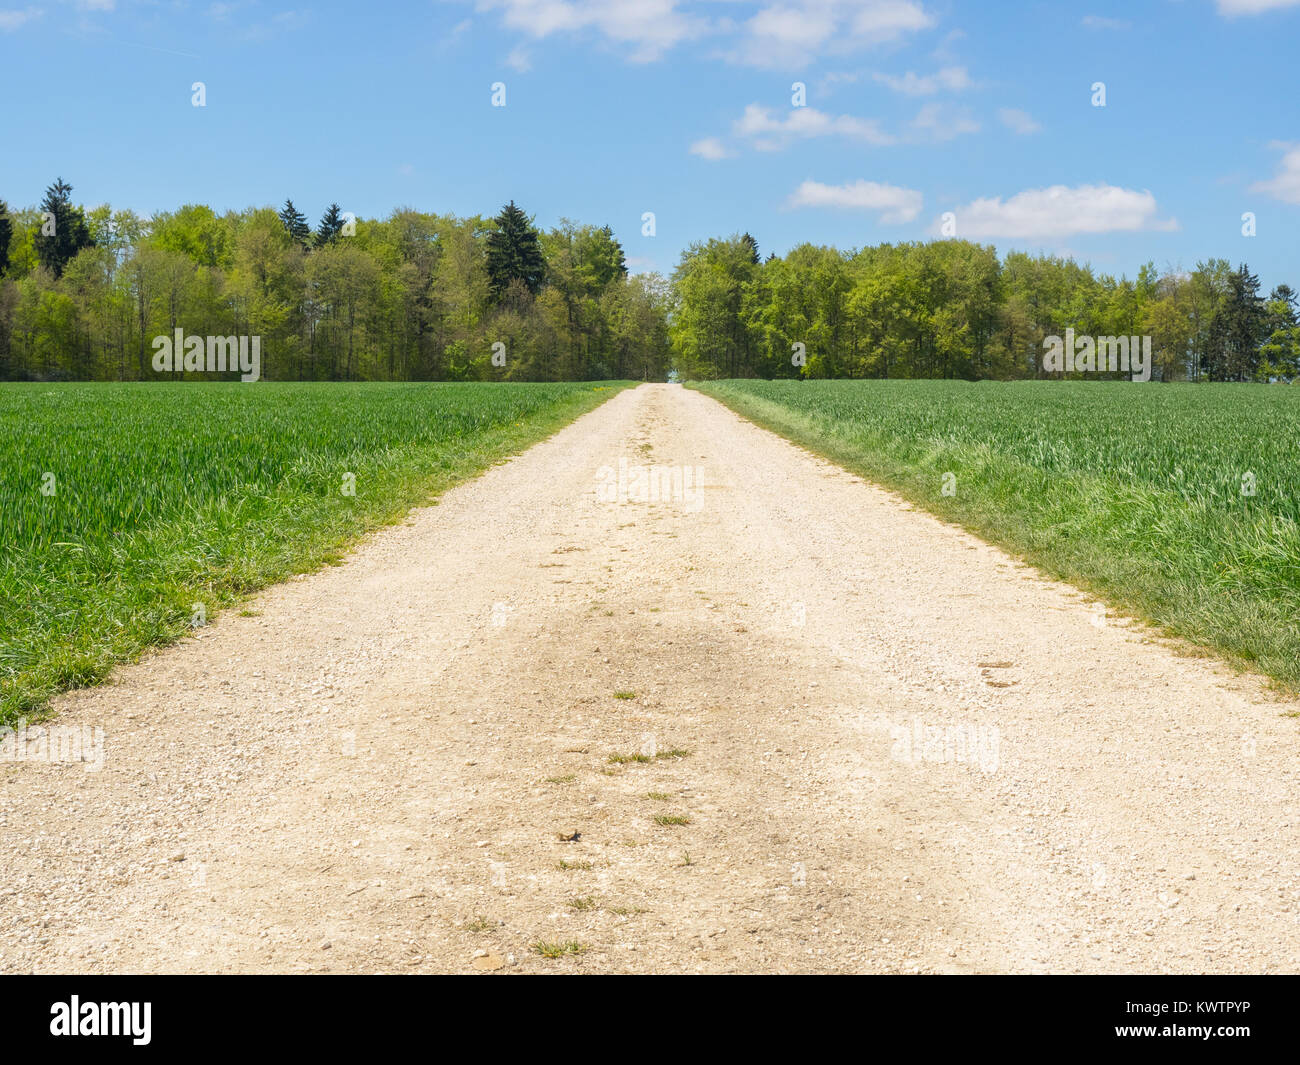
[
  {"x": 752, "y": 244},
  {"x": 514, "y": 253},
  {"x": 6, "y": 232},
  {"x": 70, "y": 233},
  {"x": 1242, "y": 325},
  {"x": 331, "y": 225},
  {"x": 295, "y": 223}
]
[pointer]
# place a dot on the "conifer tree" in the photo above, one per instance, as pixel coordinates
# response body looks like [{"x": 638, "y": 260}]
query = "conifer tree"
[
  {"x": 295, "y": 223},
  {"x": 68, "y": 232},
  {"x": 6, "y": 232},
  {"x": 514, "y": 253},
  {"x": 331, "y": 225}
]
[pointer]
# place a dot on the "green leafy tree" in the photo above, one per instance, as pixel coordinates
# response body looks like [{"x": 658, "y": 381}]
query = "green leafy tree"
[
  {"x": 1166, "y": 319},
  {"x": 195, "y": 231},
  {"x": 599, "y": 258},
  {"x": 1280, "y": 352}
]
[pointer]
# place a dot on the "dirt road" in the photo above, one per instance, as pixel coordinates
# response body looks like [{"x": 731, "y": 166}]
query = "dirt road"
[{"x": 857, "y": 739}]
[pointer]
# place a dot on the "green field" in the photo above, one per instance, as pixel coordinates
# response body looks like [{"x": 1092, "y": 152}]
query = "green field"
[
  {"x": 167, "y": 495},
  {"x": 1133, "y": 492}
]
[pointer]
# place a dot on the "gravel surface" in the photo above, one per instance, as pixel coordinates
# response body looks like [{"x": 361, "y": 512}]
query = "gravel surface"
[{"x": 894, "y": 749}]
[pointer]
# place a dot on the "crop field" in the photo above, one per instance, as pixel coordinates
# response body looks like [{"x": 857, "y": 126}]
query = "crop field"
[
  {"x": 1178, "y": 503},
  {"x": 129, "y": 513}
]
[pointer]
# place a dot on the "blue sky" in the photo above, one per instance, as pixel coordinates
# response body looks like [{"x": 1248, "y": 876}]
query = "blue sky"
[{"x": 683, "y": 108}]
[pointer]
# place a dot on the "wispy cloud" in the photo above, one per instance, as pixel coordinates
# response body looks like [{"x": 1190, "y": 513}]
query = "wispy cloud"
[
  {"x": 937, "y": 123},
  {"x": 1060, "y": 211},
  {"x": 1101, "y": 22},
  {"x": 519, "y": 60},
  {"x": 772, "y": 34},
  {"x": 256, "y": 29},
  {"x": 895, "y": 204},
  {"x": 1018, "y": 121},
  {"x": 769, "y": 131},
  {"x": 949, "y": 79},
  {"x": 1233, "y": 8},
  {"x": 11, "y": 20}
]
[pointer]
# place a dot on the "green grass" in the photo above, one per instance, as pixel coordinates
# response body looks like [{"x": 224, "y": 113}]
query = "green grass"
[
  {"x": 167, "y": 495},
  {"x": 559, "y": 950},
  {"x": 626, "y": 759},
  {"x": 1132, "y": 492}
]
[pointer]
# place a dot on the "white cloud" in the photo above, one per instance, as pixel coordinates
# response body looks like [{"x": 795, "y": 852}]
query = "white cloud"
[
  {"x": 780, "y": 34},
  {"x": 935, "y": 122},
  {"x": 895, "y": 204},
  {"x": 519, "y": 60},
  {"x": 1232, "y": 8},
  {"x": 1101, "y": 22},
  {"x": 770, "y": 132},
  {"x": 789, "y": 34},
  {"x": 886, "y": 20},
  {"x": 952, "y": 79},
  {"x": 785, "y": 34},
  {"x": 1060, "y": 211},
  {"x": 650, "y": 27},
  {"x": 1018, "y": 121},
  {"x": 1285, "y": 184},
  {"x": 710, "y": 148},
  {"x": 12, "y": 20}
]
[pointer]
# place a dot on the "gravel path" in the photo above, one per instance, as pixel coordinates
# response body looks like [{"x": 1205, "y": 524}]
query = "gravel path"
[{"x": 893, "y": 749}]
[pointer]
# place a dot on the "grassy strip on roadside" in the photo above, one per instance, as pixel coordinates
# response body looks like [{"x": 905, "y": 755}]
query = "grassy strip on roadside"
[
  {"x": 124, "y": 506},
  {"x": 1177, "y": 504}
]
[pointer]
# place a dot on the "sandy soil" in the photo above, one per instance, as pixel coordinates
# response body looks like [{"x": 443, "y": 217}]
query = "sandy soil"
[{"x": 903, "y": 751}]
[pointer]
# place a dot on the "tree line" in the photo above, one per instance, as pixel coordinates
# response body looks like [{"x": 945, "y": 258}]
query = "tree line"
[
  {"x": 419, "y": 296},
  {"x": 415, "y": 296},
  {"x": 953, "y": 309}
]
